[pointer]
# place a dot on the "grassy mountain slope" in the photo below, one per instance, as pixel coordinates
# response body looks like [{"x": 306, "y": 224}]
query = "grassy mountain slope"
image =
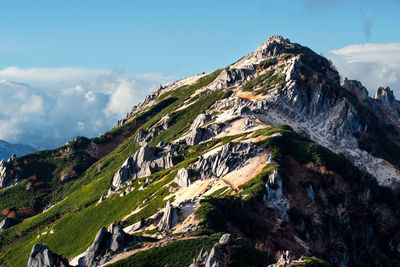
[{"x": 322, "y": 204}]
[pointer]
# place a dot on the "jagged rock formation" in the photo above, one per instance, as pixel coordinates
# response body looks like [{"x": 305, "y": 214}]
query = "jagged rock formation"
[
  {"x": 198, "y": 135},
  {"x": 169, "y": 218},
  {"x": 143, "y": 163},
  {"x": 356, "y": 88},
  {"x": 182, "y": 178},
  {"x": 386, "y": 96},
  {"x": 274, "y": 197},
  {"x": 5, "y": 180},
  {"x": 214, "y": 258},
  {"x": 267, "y": 184},
  {"x": 140, "y": 137},
  {"x": 3, "y": 174},
  {"x": 41, "y": 256},
  {"x": 200, "y": 120},
  {"x": 227, "y": 158},
  {"x": 98, "y": 253}
]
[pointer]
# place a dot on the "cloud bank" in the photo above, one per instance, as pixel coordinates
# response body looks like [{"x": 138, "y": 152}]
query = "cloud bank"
[
  {"x": 373, "y": 64},
  {"x": 46, "y": 107}
]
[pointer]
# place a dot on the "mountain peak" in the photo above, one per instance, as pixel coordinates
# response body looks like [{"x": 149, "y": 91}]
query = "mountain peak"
[{"x": 385, "y": 95}]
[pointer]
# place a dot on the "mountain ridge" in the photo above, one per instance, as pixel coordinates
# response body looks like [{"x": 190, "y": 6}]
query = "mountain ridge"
[{"x": 210, "y": 154}]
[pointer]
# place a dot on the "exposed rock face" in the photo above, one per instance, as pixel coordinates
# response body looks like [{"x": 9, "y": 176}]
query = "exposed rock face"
[
  {"x": 3, "y": 175},
  {"x": 41, "y": 256},
  {"x": 200, "y": 120},
  {"x": 140, "y": 137},
  {"x": 105, "y": 241},
  {"x": 214, "y": 258},
  {"x": 182, "y": 178},
  {"x": 198, "y": 135},
  {"x": 233, "y": 77},
  {"x": 229, "y": 158},
  {"x": 245, "y": 68},
  {"x": 5, "y": 224},
  {"x": 143, "y": 163},
  {"x": 168, "y": 219},
  {"x": 117, "y": 239},
  {"x": 99, "y": 244},
  {"x": 356, "y": 88},
  {"x": 274, "y": 197},
  {"x": 386, "y": 96}
]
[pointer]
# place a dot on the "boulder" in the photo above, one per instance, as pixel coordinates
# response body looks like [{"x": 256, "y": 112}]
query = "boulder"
[
  {"x": 169, "y": 218},
  {"x": 182, "y": 178},
  {"x": 5, "y": 224},
  {"x": 41, "y": 256},
  {"x": 99, "y": 244},
  {"x": 117, "y": 239}
]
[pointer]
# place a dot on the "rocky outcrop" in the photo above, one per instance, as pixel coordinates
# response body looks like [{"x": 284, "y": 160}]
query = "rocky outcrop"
[
  {"x": 386, "y": 96},
  {"x": 140, "y": 137},
  {"x": 174, "y": 215},
  {"x": 245, "y": 69},
  {"x": 5, "y": 224},
  {"x": 356, "y": 88},
  {"x": 41, "y": 256},
  {"x": 3, "y": 175},
  {"x": 169, "y": 218},
  {"x": 215, "y": 257},
  {"x": 232, "y": 77},
  {"x": 198, "y": 135},
  {"x": 200, "y": 120},
  {"x": 182, "y": 178},
  {"x": 226, "y": 159},
  {"x": 105, "y": 244},
  {"x": 143, "y": 163},
  {"x": 274, "y": 197}
]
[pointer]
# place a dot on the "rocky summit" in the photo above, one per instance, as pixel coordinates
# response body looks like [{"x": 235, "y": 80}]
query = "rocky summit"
[{"x": 270, "y": 161}]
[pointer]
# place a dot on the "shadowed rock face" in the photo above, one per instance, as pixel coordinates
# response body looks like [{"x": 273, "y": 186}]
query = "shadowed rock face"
[
  {"x": 214, "y": 258},
  {"x": 41, "y": 256},
  {"x": 105, "y": 241}
]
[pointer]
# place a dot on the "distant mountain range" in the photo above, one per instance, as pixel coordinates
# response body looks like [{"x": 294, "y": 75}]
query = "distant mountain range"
[{"x": 7, "y": 149}]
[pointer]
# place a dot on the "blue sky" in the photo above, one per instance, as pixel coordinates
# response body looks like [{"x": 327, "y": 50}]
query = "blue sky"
[
  {"x": 76, "y": 67},
  {"x": 180, "y": 38}
]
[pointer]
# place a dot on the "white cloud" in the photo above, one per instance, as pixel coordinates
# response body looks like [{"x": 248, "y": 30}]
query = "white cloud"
[
  {"x": 47, "y": 112},
  {"x": 50, "y": 75},
  {"x": 373, "y": 64},
  {"x": 121, "y": 98}
]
